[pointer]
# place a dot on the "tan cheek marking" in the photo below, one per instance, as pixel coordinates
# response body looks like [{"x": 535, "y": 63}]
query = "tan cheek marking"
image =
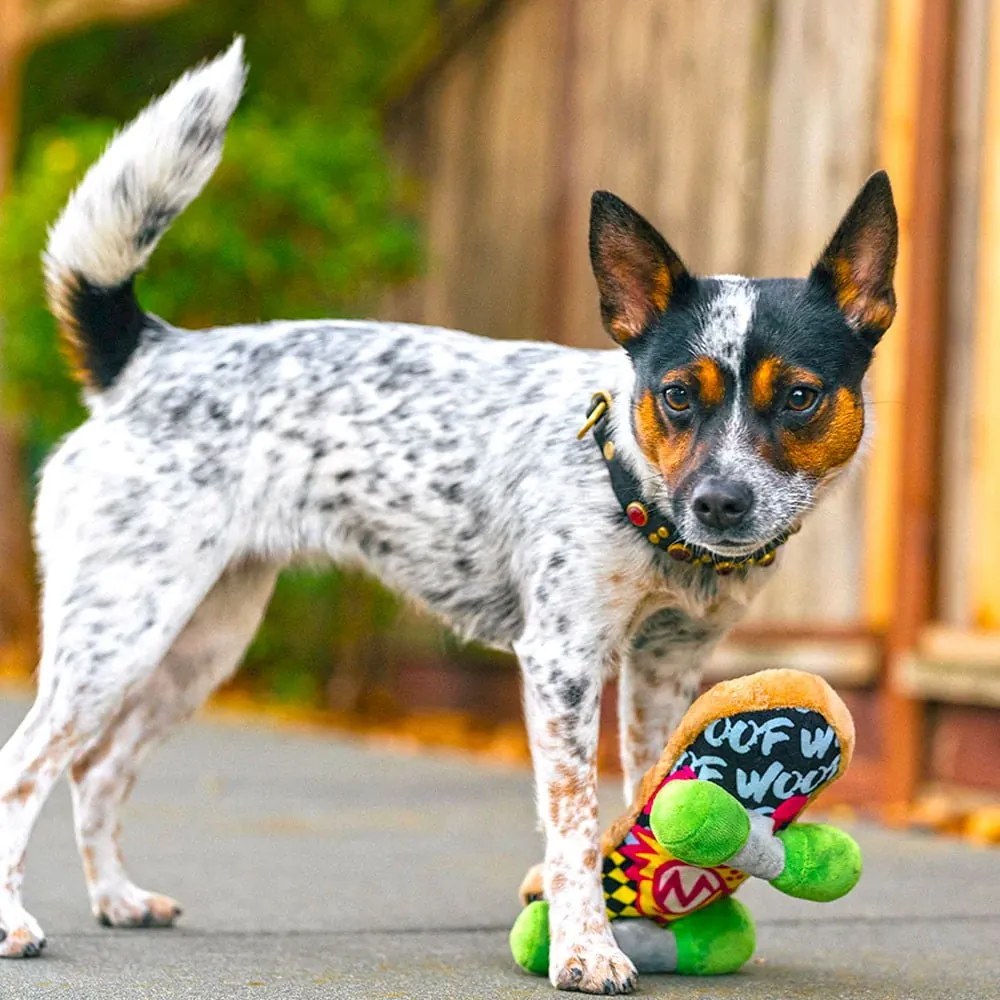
[
  {"x": 762, "y": 383},
  {"x": 668, "y": 449},
  {"x": 838, "y": 430}
]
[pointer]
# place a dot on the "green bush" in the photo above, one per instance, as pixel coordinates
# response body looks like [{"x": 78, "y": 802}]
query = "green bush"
[
  {"x": 296, "y": 223},
  {"x": 304, "y": 218}
]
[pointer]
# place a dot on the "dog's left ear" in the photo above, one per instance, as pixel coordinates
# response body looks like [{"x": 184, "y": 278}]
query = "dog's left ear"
[
  {"x": 636, "y": 270},
  {"x": 858, "y": 263}
]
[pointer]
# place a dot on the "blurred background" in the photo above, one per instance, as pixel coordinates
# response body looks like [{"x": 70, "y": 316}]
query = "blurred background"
[{"x": 432, "y": 160}]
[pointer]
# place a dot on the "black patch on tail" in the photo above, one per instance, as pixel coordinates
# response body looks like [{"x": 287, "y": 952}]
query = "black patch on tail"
[{"x": 108, "y": 323}]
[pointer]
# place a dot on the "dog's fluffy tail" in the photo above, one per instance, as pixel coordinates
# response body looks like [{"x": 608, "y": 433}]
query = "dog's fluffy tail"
[{"x": 146, "y": 177}]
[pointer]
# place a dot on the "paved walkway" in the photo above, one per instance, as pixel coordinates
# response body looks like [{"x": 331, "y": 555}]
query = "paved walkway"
[{"x": 313, "y": 867}]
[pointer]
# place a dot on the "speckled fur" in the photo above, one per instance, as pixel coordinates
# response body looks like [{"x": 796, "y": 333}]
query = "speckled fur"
[{"x": 445, "y": 464}]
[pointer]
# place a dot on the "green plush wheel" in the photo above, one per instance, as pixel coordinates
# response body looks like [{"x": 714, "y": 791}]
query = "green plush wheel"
[
  {"x": 529, "y": 938},
  {"x": 698, "y": 822},
  {"x": 822, "y": 863},
  {"x": 714, "y": 941}
]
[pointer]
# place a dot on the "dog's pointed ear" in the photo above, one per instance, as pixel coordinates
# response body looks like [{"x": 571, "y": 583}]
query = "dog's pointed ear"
[
  {"x": 858, "y": 264},
  {"x": 636, "y": 270}
]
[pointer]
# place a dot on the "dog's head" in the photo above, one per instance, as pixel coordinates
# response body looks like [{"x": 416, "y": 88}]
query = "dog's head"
[{"x": 748, "y": 393}]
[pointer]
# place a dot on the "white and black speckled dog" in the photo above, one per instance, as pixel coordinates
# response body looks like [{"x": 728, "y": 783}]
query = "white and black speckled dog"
[{"x": 447, "y": 465}]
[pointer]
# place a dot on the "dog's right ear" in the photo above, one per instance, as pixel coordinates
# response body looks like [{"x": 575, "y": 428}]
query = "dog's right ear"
[{"x": 636, "y": 270}]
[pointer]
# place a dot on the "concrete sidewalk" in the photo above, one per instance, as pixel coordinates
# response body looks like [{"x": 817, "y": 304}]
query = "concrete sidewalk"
[{"x": 313, "y": 867}]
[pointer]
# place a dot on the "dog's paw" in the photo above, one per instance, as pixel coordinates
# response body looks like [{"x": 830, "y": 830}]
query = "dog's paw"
[
  {"x": 136, "y": 908},
  {"x": 594, "y": 966},
  {"x": 533, "y": 884},
  {"x": 23, "y": 938}
]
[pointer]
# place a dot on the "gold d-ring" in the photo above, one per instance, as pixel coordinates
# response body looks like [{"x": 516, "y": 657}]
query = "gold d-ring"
[{"x": 600, "y": 403}]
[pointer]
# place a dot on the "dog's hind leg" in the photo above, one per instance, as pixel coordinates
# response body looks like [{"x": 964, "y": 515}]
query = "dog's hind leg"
[
  {"x": 125, "y": 570},
  {"x": 204, "y": 655}
]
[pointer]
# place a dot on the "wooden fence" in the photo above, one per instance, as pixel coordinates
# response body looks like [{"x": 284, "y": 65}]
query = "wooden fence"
[
  {"x": 743, "y": 131},
  {"x": 730, "y": 134}
]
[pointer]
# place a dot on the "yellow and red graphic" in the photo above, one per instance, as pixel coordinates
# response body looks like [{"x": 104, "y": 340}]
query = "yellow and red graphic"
[
  {"x": 642, "y": 880},
  {"x": 667, "y": 888},
  {"x": 679, "y": 888}
]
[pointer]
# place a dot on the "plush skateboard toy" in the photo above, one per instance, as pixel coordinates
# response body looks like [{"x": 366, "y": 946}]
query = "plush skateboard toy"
[{"x": 718, "y": 808}]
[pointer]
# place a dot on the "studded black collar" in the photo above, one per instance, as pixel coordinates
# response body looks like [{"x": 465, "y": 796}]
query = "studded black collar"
[{"x": 658, "y": 530}]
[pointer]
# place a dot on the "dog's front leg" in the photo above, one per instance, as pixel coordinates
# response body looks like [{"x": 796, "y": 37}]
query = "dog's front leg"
[{"x": 562, "y": 682}]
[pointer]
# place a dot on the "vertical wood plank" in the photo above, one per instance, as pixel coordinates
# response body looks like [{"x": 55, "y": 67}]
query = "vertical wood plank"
[
  {"x": 960, "y": 400},
  {"x": 986, "y": 427},
  {"x": 896, "y": 153},
  {"x": 916, "y": 504}
]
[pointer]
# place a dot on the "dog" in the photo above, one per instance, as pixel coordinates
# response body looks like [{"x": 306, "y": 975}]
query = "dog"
[{"x": 447, "y": 465}]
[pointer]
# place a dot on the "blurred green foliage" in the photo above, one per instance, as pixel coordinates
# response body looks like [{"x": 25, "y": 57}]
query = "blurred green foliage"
[
  {"x": 304, "y": 218},
  {"x": 293, "y": 224}
]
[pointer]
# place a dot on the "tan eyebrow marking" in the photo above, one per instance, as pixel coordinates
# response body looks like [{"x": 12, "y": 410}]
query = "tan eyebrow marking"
[
  {"x": 707, "y": 373},
  {"x": 711, "y": 383},
  {"x": 762, "y": 382},
  {"x": 769, "y": 371}
]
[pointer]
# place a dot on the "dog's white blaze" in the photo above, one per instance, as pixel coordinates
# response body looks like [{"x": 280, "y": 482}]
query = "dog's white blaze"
[
  {"x": 726, "y": 323},
  {"x": 735, "y": 455}
]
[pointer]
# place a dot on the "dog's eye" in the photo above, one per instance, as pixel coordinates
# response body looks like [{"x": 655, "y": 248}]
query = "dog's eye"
[
  {"x": 801, "y": 398},
  {"x": 677, "y": 398}
]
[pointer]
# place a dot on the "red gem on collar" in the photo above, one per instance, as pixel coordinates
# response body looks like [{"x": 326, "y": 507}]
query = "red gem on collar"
[{"x": 637, "y": 514}]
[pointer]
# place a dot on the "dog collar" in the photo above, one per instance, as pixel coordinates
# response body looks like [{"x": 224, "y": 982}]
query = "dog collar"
[{"x": 658, "y": 530}]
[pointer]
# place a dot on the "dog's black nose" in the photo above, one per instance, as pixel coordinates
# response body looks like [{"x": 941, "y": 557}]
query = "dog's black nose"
[{"x": 720, "y": 504}]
